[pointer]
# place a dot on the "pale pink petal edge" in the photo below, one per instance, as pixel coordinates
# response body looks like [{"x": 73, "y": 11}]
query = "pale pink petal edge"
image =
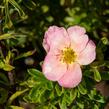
[{"x": 88, "y": 55}]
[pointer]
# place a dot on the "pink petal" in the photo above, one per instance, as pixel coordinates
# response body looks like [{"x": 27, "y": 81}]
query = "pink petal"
[
  {"x": 46, "y": 45},
  {"x": 72, "y": 77},
  {"x": 52, "y": 68},
  {"x": 55, "y": 37},
  {"x": 88, "y": 55},
  {"x": 78, "y": 37}
]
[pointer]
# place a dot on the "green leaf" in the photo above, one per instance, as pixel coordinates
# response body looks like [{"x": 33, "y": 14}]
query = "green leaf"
[
  {"x": 29, "y": 53},
  {"x": 105, "y": 40},
  {"x": 67, "y": 98},
  {"x": 105, "y": 75},
  {"x": 30, "y": 4},
  {"x": 17, "y": 7},
  {"x": 8, "y": 22},
  {"x": 82, "y": 89},
  {"x": 5, "y": 63},
  {"x": 97, "y": 75},
  {"x": 92, "y": 94},
  {"x": 59, "y": 90},
  {"x": 8, "y": 67},
  {"x": 62, "y": 103},
  {"x": 35, "y": 72},
  {"x": 15, "y": 107},
  {"x": 96, "y": 107},
  {"x": 37, "y": 75},
  {"x": 5, "y": 66},
  {"x": 26, "y": 98},
  {"x": 37, "y": 94},
  {"x": 52, "y": 106},
  {"x": 3, "y": 95},
  {"x": 3, "y": 79},
  {"x": 73, "y": 94},
  {"x": 15, "y": 95},
  {"x": 1, "y": 64},
  {"x": 6, "y": 36},
  {"x": 37, "y": 78},
  {"x": 70, "y": 96},
  {"x": 49, "y": 85},
  {"x": 101, "y": 100},
  {"x": 34, "y": 94},
  {"x": 30, "y": 82},
  {"x": 80, "y": 105},
  {"x": 74, "y": 107},
  {"x": 52, "y": 94}
]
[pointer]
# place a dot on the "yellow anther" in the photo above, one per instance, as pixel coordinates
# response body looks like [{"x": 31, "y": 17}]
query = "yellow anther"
[{"x": 68, "y": 56}]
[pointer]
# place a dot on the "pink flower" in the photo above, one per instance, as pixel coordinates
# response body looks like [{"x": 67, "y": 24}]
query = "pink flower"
[{"x": 66, "y": 51}]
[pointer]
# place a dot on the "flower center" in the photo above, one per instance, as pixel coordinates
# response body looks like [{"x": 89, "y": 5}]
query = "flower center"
[{"x": 68, "y": 55}]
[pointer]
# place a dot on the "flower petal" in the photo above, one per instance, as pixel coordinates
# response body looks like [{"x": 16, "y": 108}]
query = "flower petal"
[
  {"x": 72, "y": 77},
  {"x": 46, "y": 45},
  {"x": 55, "y": 37},
  {"x": 78, "y": 37},
  {"x": 88, "y": 55},
  {"x": 52, "y": 68}
]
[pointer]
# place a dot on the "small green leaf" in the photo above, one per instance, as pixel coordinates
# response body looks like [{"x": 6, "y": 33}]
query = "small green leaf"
[
  {"x": 105, "y": 75},
  {"x": 8, "y": 22},
  {"x": 51, "y": 94},
  {"x": 15, "y": 107},
  {"x": 97, "y": 75},
  {"x": 74, "y": 107},
  {"x": 92, "y": 94},
  {"x": 43, "y": 107},
  {"x": 100, "y": 100},
  {"x": 6, "y": 36},
  {"x": 30, "y": 4},
  {"x": 34, "y": 94},
  {"x": 8, "y": 57},
  {"x": 80, "y": 105},
  {"x": 68, "y": 98},
  {"x": 37, "y": 75},
  {"x": 96, "y": 107},
  {"x": 3, "y": 79},
  {"x": 37, "y": 94},
  {"x": 7, "y": 67},
  {"x": 59, "y": 90},
  {"x": 49, "y": 85},
  {"x": 82, "y": 89},
  {"x": 73, "y": 94},
  {"x": 105, "y": 40},
  {"x": 62, "y": 103},
  {"x": 3, "y": 95},
  {"x": 17, "y": 7},
  {"x": 29, "y": 53},
  {"x": 15, "y": 95},
  {"x": 30, "y": 82},
  {"x": 26, "y": 98}
]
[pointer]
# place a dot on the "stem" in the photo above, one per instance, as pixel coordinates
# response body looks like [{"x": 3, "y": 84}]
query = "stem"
[{"x": 11, "y": 77}]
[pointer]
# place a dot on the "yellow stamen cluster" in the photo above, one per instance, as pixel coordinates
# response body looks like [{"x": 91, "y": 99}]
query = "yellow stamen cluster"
[{"x": 68, "y": 56}]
